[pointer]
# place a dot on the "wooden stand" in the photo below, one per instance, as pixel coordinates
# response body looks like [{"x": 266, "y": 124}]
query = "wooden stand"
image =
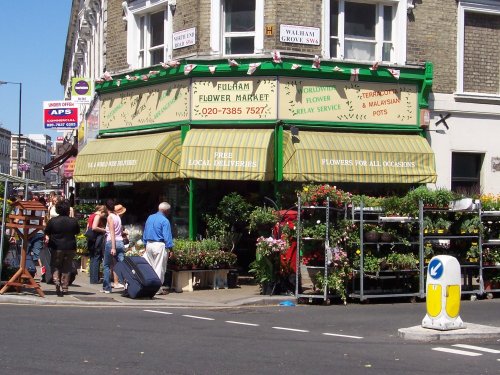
[{"x": 23, "y": 222}]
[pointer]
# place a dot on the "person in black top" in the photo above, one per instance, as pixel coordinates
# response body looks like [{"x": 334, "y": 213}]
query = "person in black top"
[
  {"x": 71, "y": 196},
  {"x": 60, "y": 235}
]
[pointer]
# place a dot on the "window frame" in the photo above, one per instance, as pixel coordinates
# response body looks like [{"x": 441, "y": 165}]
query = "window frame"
[
  {"x": 398, "y": 49},
  {"x": 218, "y": 34},
  {"x": 476, "y": 180},
  {"x": 478, "y": 6},
  {"x": 138, "y": 50}
]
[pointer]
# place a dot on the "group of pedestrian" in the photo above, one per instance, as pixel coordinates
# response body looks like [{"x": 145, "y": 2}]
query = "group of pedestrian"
[{"x": 105, "y": 239}]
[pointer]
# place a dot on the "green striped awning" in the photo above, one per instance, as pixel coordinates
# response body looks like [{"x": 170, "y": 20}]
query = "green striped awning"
[
  {"x": 228, "y": 154},
  {"x": 150, "y": 157},
  {"x": 349, "y": 157}
]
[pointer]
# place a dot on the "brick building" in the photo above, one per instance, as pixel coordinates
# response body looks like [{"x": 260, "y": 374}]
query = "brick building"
[
  {"x": 462, "y": 39},
  {"x": 182, "y": 75}
]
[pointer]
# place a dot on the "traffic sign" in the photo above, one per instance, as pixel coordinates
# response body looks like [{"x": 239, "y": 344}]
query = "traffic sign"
[{"x": 436, "y": 268}]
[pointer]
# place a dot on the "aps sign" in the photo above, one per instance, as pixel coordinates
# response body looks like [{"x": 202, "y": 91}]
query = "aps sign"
[{"x": 60, "y": 115}]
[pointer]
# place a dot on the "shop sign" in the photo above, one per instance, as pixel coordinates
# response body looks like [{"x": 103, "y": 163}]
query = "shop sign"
[
  {"x": 234, "y": 99},
  {"x": 81, "y": 90},
  {"x": 60, "y": 115},
  {"x": 92, "y": 129},
  {"x": 345, "y": 101},
  {"x": 184, "y": 38},
  {"x": 69, "y": 167},
  {"x": 299, "y": 34},
  {"x": 149, "y": 105}
]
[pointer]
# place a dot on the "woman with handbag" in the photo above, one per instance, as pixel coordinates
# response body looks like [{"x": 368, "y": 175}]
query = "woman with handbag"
[{"x": 96, "y": 232}]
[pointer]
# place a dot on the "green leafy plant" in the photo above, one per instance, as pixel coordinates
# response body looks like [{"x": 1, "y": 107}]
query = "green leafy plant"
[
  {"x": 443, "y": 197},
  {"x": 392, "y": 205},
  {"x": 262, "y": 217},
  {"x": 234, "y": 210},
  {"x": 316, "y": 231},
  {"x": 401, "y": 261}
]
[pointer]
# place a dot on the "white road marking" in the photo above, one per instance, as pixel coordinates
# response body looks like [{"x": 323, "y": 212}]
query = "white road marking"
[
  {"x": 456, "y": 351},
  {"x": 243, "y": 324},
  {"x": 291, "y": 329},
  {"x": 338, "y": 335},
  {"x": 478, "y": 348},
  {"x": 197, "y": 317},
  {"x": 159, "y": 312}
]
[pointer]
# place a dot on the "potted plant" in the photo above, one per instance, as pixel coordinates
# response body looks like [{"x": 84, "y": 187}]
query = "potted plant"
[
  {"x": 316, "y": 231},
  {"x": 392, "y": 205},
  {"x": 471, "y": 226},
  {"x": 428, "y": 252},
  {"x": 422, "y": 193},
  {"x": 402, "y": 261},
  {"x": 262, "y": 220},
  {"x": 491, "y": 280},
  {"x": 371, "y": 232},
  {"x": 428, "y": 225},
  {"x": 316, "y": 195},
  {"x": 266, "y": 265},
  {"x": 442, "y": 225},
  {"x": 443, "y": 197},
  {"x": 472, "y": 254},
  {"x": 491, "y": 256}
]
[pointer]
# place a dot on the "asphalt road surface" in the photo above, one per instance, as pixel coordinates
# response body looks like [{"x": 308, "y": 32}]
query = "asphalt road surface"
[{"x": 353, "y": 339}]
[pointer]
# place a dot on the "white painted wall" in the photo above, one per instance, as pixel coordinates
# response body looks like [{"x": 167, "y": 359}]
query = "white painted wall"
[{"x": 474, "y": 127}]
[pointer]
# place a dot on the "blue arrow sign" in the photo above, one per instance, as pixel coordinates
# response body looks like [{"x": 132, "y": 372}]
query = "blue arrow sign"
[{"x": 436, "y": 268}]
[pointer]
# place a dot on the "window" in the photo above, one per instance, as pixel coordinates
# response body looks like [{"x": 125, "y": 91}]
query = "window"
[
  {"x": 152, "y": 45},
  {"x": 363, "y": 31},
  {"x": 466, "y": 172},
  {"x": 237, "y": 27},
  {"x": 478, "y": 71},
  {"x": 149, "y": 32}
]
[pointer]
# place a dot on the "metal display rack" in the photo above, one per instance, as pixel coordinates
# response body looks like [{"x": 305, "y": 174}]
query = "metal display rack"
[
  {"x": 468, "y": 270},
  {"x": 300, "y": 291},
  {"x": 375, "y": 215},
  {"x": 493, "y": 217}
]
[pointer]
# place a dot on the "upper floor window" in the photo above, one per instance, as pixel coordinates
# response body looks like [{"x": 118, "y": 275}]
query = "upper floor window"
[
  {"x": 237, "y": 27},
  {"x": 365, "y": 31},
  {"x": 149, "y": 32},
  {"x": 152, "y": 44},
  {"x": 478, "y": 71}
]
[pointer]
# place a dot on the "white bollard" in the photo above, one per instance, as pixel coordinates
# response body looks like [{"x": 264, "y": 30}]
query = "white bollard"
[{"x": 443, "y": 288}]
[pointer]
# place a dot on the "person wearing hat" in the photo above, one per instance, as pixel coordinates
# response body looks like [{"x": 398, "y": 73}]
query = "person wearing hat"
[{"x": 114, "y": 249}]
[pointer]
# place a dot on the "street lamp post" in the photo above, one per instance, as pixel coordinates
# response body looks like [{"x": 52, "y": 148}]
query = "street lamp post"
[{"x": 19, "y": 130}]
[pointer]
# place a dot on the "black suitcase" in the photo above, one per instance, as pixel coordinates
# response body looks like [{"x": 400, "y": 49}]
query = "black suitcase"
[{"x": 138, "y": 276}]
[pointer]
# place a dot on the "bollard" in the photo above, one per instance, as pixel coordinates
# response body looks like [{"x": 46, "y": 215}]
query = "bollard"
[{"x": 443, "y": 288}]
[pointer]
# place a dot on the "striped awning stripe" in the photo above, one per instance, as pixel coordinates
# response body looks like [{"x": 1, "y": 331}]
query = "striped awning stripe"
[
  {"x": 228, "y": 154},
  {"x": 353, "y": 157},
  {"x": 150, "y": 157}
]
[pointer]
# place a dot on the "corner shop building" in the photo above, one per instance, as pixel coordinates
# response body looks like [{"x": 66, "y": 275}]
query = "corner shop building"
[{"x": 286, "y": 122}]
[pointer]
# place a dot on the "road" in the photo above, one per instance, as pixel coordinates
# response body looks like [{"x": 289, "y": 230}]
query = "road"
[{"x": 353, "y": 339}]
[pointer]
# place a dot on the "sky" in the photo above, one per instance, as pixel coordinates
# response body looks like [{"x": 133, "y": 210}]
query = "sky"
[{"x": 32, "y": 43}]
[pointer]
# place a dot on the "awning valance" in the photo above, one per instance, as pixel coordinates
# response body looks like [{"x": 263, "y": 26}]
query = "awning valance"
[
  {"x": 353, "y": 157},
  {"x": 59, "y": 160},
  {"x": 228, "y": 154},
  {"x": 151, "y": 157}
]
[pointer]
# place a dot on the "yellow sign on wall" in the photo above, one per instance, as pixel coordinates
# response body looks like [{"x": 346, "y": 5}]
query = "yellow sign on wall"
[
  {"x": 234, "y": 99},
  {"x": 346, "y": 101},
  {"x": 150, "y": 105}
]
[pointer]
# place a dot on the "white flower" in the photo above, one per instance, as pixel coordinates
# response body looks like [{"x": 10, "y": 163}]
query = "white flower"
[{"x": 318, "y": 222}]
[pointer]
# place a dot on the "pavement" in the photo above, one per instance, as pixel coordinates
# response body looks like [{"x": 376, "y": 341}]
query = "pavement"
[
  {"x": 82, "y": 293},
  {"x": 471, "y": 331}
]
